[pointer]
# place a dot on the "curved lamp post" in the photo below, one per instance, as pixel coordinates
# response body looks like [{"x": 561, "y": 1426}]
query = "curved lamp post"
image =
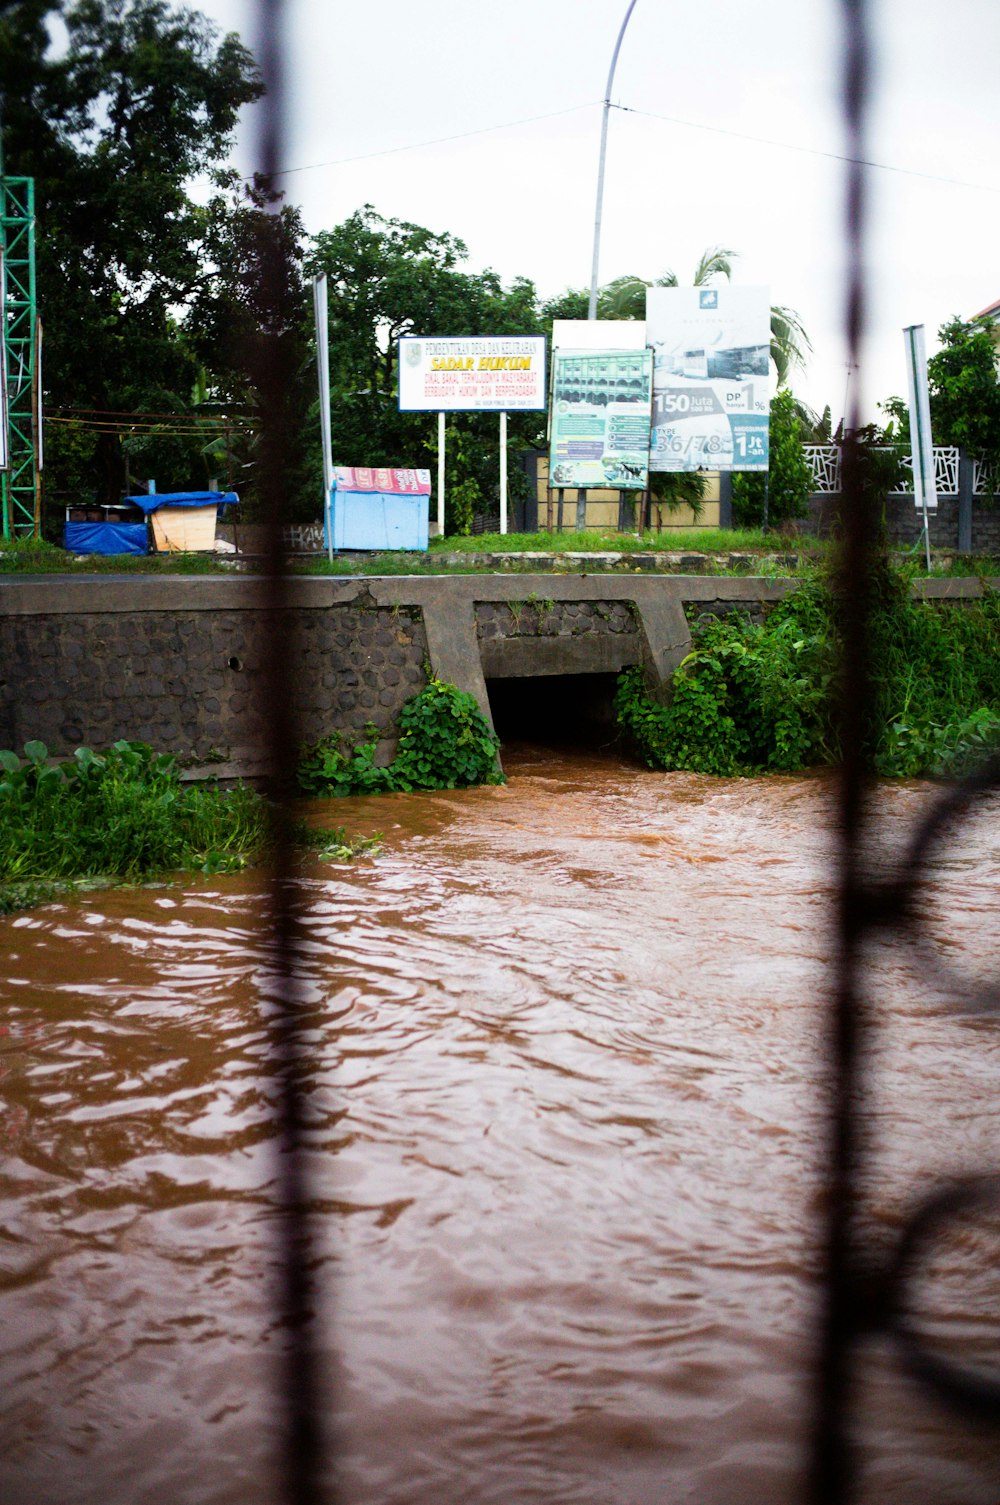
[{"x": 592, "y": 307}]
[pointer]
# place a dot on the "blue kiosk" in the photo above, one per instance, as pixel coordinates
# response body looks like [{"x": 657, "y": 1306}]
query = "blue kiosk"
[{"x": 377, "y": 509}]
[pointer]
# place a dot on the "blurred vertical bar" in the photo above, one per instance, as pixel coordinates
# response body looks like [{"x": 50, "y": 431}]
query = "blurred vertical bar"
[
  {"x": 832, "y": 1469},
  {"x": 302, "y": 1460}
]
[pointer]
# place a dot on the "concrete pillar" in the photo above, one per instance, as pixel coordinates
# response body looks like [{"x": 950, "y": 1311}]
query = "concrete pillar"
[
  {"x": 964, "y": 503},
  {"x": 725, "y": 499}
]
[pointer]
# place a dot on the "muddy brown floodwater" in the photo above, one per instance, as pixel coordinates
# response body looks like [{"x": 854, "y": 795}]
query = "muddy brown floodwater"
[{"x": 565, "y": 1108}]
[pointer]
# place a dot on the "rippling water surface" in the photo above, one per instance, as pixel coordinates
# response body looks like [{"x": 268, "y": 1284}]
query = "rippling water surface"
[{"x": 565, "y": 1105}]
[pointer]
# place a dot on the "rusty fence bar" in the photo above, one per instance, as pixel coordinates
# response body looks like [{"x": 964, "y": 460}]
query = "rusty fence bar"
[
  {"x": 304, "y": 1471},
  {"x": 864, "y": 1290}
]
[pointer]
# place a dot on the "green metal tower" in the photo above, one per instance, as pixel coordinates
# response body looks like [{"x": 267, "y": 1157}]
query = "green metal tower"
[{"x": 20, "y": 489}]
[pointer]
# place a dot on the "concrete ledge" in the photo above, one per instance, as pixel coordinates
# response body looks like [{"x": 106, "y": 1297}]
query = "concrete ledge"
[
  {"x": 966, "y": 588},
  {"x": 521, "y": 658}
]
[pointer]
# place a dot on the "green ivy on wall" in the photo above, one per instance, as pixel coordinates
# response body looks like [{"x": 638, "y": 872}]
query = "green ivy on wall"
[{"x": 445, "y": 742}]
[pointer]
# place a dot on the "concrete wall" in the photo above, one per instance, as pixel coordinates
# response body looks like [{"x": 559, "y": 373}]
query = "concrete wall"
[
  {"x": 905, "y": 524},
  {"x": 177, "y": 662}
]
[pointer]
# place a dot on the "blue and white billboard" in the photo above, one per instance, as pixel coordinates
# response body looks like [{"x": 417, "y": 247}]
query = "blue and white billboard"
[{"x": 711, "y": 379}]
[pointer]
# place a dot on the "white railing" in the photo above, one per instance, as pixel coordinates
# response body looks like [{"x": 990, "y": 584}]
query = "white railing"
[
  {"x": 985, "y": 481},
  {"x": 824, "y": 461}
]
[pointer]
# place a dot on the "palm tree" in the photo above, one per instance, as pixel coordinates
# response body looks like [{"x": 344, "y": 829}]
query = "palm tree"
[{"x": 625, "y": 298}]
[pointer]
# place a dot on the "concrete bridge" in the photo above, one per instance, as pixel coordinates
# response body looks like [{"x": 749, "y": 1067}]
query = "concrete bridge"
[{"x": 176, "y": 661}]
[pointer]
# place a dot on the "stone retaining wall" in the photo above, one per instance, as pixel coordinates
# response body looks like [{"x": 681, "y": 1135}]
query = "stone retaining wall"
[{"x": 187, "y": 681}]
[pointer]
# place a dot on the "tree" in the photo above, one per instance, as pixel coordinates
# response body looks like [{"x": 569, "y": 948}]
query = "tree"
[
  {"x": 113, "y": 130},
  {"x": 964, "y": 390},
  {"x": 625, "y": 298},
  {"x": 387, "y": 278},
  {"x": 250, "y": 309},
  {"x": 788, "y": 481}
]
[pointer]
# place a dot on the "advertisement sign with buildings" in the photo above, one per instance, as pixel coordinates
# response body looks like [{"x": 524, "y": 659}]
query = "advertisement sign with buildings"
[
  {"x": 446, "y": 374},
  {"x": 600, "y": 418},
  {"x": 711, "y": 384}
]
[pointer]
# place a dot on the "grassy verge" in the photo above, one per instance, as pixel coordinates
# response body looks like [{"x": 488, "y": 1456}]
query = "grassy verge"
[
  {"x": 33, "y": 556},
  {"x": 722, "y": 552},
  {"x": 669, "y": 540},
  {"x": 123, "y": 815}
]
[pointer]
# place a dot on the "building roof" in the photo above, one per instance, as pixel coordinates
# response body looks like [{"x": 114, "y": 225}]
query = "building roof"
[{"x": 991, "y": 311}]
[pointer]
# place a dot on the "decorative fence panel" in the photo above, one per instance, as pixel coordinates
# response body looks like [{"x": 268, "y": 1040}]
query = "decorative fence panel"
[{"x": 824, "y": 461}]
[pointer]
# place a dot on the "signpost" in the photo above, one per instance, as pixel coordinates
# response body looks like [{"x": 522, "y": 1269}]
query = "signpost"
[
  {"x": 477, "y": 374},
  {"x": 323, "y": 373},
  {"x": 711, "y": 383}
]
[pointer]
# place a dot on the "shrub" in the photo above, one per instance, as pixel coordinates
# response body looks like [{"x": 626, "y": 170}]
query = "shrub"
[
  {"x": 751, "y": 699},
  {"x": 445, "y": 743},
  {"x": 121, "y": 813}
]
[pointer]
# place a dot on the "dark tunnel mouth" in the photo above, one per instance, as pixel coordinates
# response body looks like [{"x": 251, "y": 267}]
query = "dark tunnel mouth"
[{"x": 555, "y": 710}]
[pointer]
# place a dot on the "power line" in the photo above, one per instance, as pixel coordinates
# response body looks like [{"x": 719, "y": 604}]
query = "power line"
[
  {"x": 144, "y": 415},
  {"x": 692, "y": 125},
  {"x": 148, "y": 430},
  {"x": 809, "y": 151},
  {"x": 415, "y": 146}
]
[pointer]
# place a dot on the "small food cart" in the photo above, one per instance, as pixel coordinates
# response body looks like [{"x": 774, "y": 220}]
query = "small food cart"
[
  {"x": 377, "y": 508},
  {"x": 183, "y": 522},
  {"x": 105, "y": 530}
]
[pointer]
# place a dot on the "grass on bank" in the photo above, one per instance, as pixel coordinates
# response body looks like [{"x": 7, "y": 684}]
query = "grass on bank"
[
  {"x": 668, "y": 541},
  {"x": 725, "y": 552},
  {"x": 124, "y": 815}
]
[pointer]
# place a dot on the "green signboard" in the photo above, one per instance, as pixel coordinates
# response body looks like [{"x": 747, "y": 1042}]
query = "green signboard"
[{"x": 600, "y": 418}]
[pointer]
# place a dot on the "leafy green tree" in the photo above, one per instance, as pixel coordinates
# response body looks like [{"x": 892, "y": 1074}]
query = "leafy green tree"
[
  {"x": 964, "y": 389},
  {"x": 251, "y": 306},
  {"x": 788, "y": 482},
  {"x": 114, "y": 128},
  {"x": 964, "y": 392}
]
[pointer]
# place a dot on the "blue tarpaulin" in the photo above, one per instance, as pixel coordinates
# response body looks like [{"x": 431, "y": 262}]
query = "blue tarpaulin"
[
  {"x": 106, "y": 538},
  {"x": 150, "y": 501}
]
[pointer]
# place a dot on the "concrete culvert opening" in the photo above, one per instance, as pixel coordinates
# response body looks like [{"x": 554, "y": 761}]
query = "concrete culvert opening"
[{"x": 555, "y": 710}]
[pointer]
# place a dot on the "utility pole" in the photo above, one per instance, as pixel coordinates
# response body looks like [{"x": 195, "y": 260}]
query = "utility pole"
[{"x": 592, "y": 307}]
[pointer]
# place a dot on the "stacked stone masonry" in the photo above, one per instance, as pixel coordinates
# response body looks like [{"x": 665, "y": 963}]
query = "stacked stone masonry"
[
  {"x": 186, "y": 682},
  {"x": 545, "y": 618}
]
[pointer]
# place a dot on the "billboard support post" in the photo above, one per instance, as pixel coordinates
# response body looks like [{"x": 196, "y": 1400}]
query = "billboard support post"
[
  {"x": 503, "y": 472},
  {"x": 323, "y": 376},
  {"x": 440, "y": 495}
]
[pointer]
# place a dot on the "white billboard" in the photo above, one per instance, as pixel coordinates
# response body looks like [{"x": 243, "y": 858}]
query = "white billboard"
[
  {"x": 711, "y": 382},
  {"x": 454, "y": 374},
  {"x": 921, "y": 443},
  {"x": 598, "y": 334}
]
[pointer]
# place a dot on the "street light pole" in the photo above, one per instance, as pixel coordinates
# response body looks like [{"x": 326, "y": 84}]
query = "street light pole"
[{"x": 592, "y": 307}]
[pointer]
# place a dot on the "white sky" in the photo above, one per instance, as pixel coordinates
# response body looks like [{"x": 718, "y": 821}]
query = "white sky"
[{"x": 369, "y": 79}]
